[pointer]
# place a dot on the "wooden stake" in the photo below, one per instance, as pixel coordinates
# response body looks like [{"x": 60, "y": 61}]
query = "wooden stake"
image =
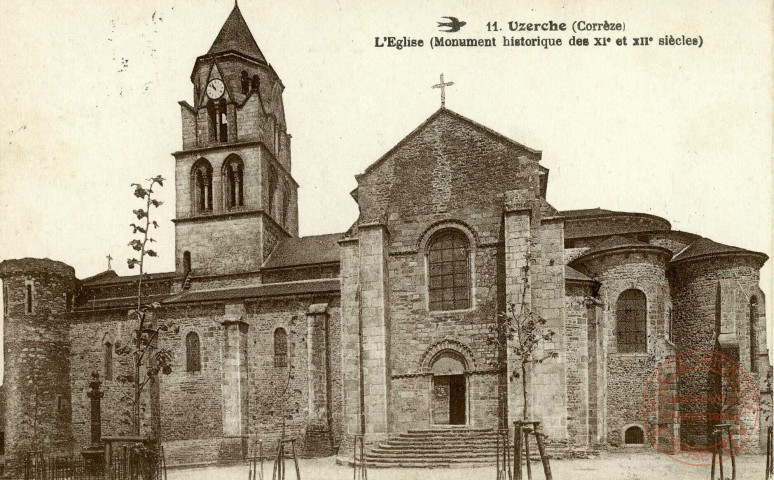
[
  {"x": 526, "y": 452},
  {"x": 542, "y": 451},
  {"x": 517, "y": 449}
]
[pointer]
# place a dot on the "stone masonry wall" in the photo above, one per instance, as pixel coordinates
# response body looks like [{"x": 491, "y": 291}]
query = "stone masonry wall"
[
  {"x": 36, "y": 353},
  {"x": 628, "y": 373},
  {"x": 703, "y": 293},
  {"x": 576, "y": 348}
]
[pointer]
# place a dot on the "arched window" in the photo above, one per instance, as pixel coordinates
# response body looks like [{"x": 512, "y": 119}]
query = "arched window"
[
  {"x": 631, "y": 326},
  {"x": 244, "y": 79},
  {"x": 233, "y": 180},
  {"x": 285, "y": 202},
  {"x": 193, "y": 359},
  {"x": 754, "y": 334},
  {"x": 218, "y": 121},
  {"x": 634, "y": 436},
  {"x": 272, "y": 193},
  {"x": 280, "y": 348},
  {"x": 202, "y": 182},
  {"x": 255, "y": 83},
  {"x": 108, "y": 352},
  {"x": 448, "y": 263}
]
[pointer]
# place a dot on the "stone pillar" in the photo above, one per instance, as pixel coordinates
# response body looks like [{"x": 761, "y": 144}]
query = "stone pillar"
[
  {"x": 96, "y": 413},
  {"x": 317, "y": 379},
  {"x": 350, "y": 342},
  {"x": 375, "y": 330},
  {"x": 517, "y": 237},
  {"x": 319, "y": 430},
  {"x": 235, "y": 392}
]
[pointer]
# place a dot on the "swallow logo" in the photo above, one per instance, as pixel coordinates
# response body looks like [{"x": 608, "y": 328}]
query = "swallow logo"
[{"x": 453, "y": 25}]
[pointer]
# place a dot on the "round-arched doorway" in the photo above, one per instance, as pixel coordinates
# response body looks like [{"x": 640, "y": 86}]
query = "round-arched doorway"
[{"x": 449, "y": 402}]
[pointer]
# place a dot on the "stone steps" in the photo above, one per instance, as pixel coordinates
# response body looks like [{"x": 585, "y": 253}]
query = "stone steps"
[
  {"x": 453, "y": 447},
  {"x": 438, "y": 447}
]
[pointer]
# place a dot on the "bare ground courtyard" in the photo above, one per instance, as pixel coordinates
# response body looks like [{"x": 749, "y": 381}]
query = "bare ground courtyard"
[{"x": 618, "y": 466}]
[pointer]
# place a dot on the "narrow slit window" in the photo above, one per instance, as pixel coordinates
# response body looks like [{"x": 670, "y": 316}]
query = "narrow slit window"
[
  {"x": 28, "y": 299},
  {"x": 108, "y": 361},
  {"x": 280, "y": 348},
  {"x": 193, "y": 359}
]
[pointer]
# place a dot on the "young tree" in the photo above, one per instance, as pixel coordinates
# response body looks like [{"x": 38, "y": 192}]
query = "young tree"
[
  {"x": 143, "y": 348},
  {"x": 525, "y": 331}
]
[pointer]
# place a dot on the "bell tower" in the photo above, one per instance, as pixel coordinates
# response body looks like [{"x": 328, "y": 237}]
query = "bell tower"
[{"x": 236, "y": 197}]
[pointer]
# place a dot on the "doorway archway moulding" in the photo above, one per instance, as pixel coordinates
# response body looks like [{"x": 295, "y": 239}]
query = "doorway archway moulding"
[{"x": 426, "y": 362}]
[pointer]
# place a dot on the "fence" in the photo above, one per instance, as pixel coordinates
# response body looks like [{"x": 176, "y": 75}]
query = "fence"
[{"x": 127, "y": 463}]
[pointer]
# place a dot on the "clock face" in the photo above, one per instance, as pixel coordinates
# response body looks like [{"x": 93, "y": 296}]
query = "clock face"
[{"x": 215, "y": 88}]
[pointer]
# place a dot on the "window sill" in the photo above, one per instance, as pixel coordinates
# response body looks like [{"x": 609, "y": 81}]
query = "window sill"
[
  {"x": 440, "y": 313},
  {"x": 630, "y": 354}
]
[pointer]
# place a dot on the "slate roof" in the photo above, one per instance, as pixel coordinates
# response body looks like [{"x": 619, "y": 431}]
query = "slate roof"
[
  {"x": 118, "y": 302},
  {"x": 111, "y": 277},
  {"x": 327, "y": 285},
  {"x": 312, "y": 250},
  {"x": 235, "y": 35},
  {"x": 584, "y": 212},
  {"x": 617, "y": 242},
  {"x": 704, "y": 247},
  {"x": 572, "y": 275}
]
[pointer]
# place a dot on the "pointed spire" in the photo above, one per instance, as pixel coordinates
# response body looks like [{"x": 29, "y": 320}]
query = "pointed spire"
[{"x": 235, "y": 35}]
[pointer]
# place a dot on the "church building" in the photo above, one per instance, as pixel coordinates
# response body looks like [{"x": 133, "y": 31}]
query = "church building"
[{"x": 391, "y": 328}]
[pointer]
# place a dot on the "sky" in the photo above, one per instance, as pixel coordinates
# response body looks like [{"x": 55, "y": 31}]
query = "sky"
[{"x": 89, "y": 92}]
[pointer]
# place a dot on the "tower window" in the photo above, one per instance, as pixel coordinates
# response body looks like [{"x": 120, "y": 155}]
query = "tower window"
[
  {"x": 285, "y": 202},
  {"x": 449, "y": 271},
  {"x": 193, "y": 359},
  {"x": 68, "y": 302},
  {"x": 670, "y": 324},
  {"x": 255, "y": 83},
  {"x": 218, "y": 121},
  {"x": 753, "y": 334},
  {"x": 631, "y": 317},
  {"x": 202, "y": 182},
  {"x": 233, "y": 181},
  {"x": 108, "y": 361},
  {"x": 245, "y": 81},
  {"x": 272, "y": 189},
  {"x": 186, "y": 262},
  {"x": 276, "y": 138},
  {"x": 28, "y": 298},
  {"x": 280, "y": 348}
]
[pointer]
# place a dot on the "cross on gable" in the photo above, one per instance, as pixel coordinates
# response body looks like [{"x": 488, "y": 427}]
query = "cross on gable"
[{"x": 443, "y": 86}]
